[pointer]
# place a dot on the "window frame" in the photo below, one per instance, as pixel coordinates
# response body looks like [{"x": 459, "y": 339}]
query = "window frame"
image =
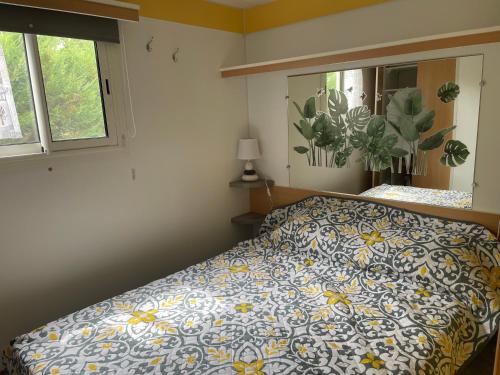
[
  {"x": 46, "y": 145},
  {"x": 33, "y": 148},
  {"x": 24, "y": 149}
]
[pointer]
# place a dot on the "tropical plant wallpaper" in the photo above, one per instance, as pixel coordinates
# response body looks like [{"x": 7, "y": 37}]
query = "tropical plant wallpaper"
[{"x": 405, "y": 132}]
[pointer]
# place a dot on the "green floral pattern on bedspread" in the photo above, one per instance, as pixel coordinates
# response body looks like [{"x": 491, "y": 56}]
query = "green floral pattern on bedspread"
[{"x": 330, "y": 287}]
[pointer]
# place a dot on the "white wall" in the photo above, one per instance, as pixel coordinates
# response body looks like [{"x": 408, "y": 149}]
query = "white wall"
[
  {"x": 85, "y": 231},
  {"x": 386, "y": 22},
  {"x": 391, "y": 21},
  {"x": 469, "y": 75}
]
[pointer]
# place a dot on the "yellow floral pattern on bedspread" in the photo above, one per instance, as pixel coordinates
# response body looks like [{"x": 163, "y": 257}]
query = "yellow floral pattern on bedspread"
[{"x": 330, "y": 286}]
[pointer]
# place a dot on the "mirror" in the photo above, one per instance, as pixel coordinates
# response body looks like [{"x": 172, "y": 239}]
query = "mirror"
[{"x": 405, "y": 132}]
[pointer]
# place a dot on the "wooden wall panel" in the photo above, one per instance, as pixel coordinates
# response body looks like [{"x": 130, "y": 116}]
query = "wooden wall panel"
[
  {"x": 368, "y": 53},
  {"x": 431, "y": 76},
  {"x": 81, "y": 7}
]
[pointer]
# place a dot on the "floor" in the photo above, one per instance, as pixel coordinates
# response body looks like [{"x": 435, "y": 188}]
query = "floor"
[{"x": 484, "y": 362}]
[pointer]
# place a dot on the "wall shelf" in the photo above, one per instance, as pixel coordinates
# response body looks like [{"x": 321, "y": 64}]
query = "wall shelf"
[
  {"x": 466, "y": 38},
  {"x": 250, "y": 218},
  {"x": 251, "y": 184}
]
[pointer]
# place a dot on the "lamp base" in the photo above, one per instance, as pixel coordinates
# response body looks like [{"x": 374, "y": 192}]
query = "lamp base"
[
  {"x": 250, "y": 177},
  {"x": 249, "y": 173}
]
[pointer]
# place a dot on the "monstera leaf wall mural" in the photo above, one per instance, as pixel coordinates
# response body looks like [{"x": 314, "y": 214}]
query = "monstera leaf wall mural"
[
  {"x": 404, "y": 133},
  {"x": 328, "y": 134}
]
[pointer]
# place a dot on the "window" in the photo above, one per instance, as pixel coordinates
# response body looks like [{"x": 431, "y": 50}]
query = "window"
[
  {"x": 332, "y": 81},
  {"x": 350, "y": 82},
  {"x": 18, "y": 124},
  {"x": 54, "y": 94}
]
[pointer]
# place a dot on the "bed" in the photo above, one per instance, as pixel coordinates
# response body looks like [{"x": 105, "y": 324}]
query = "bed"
[
  {"x": 436, "y": 197},
  {"x": 331, "y": 286}
]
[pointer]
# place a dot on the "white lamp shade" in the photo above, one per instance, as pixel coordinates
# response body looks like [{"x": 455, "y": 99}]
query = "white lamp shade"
[{"x": 248, "y": 149}]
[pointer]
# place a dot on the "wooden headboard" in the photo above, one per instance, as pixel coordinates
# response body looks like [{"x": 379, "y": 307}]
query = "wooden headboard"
[{"x": 281, "y": 196}]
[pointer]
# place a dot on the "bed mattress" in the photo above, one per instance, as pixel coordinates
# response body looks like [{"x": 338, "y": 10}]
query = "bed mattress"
[{"x": 330, "y": 286}]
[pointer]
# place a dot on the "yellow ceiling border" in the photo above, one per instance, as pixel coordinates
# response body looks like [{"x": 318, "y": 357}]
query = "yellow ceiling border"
[
  {"x": 194, "y": 12},
  {"x": 261, "y": 17},
  {"x": 285, "y": 12}
]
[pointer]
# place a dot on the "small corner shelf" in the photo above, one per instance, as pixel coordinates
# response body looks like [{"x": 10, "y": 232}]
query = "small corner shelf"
[
  {"x": 250, "y": 218},
  {"x": 251, "y": 184}
]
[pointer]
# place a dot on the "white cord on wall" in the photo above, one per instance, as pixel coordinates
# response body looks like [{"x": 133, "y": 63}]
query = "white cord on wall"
[
  {"x": 133, "y": 130},
  {"x": 269, "y": 195}
]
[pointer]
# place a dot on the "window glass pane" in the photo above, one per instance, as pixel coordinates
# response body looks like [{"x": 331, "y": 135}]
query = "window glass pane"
[
  {"x": 17, "y": 114},
  {"x": 72, "y": 88},
  {"x": 332, "y": 81}
]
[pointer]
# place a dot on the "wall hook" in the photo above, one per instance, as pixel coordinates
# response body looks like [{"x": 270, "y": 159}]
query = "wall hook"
[
  {"x": 175, "y": 57},
  {"x": 149, "y": 46}
]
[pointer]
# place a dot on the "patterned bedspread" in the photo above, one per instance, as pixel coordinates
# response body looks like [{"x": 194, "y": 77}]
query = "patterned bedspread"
[
  {"x": 330, "y": 287},
  {"x": 447, "y": 198}
]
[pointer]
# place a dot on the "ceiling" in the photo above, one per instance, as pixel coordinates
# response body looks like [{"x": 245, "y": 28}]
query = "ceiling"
[{"x": 241, "y": 3}]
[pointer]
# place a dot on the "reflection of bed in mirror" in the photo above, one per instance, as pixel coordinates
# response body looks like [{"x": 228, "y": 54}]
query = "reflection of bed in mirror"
[
  {"x": 436, "y": 197},
  {"x": 316, "y": 166}
]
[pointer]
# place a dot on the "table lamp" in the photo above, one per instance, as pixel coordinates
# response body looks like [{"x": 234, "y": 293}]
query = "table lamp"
[{"x": 248, "y": 149}]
